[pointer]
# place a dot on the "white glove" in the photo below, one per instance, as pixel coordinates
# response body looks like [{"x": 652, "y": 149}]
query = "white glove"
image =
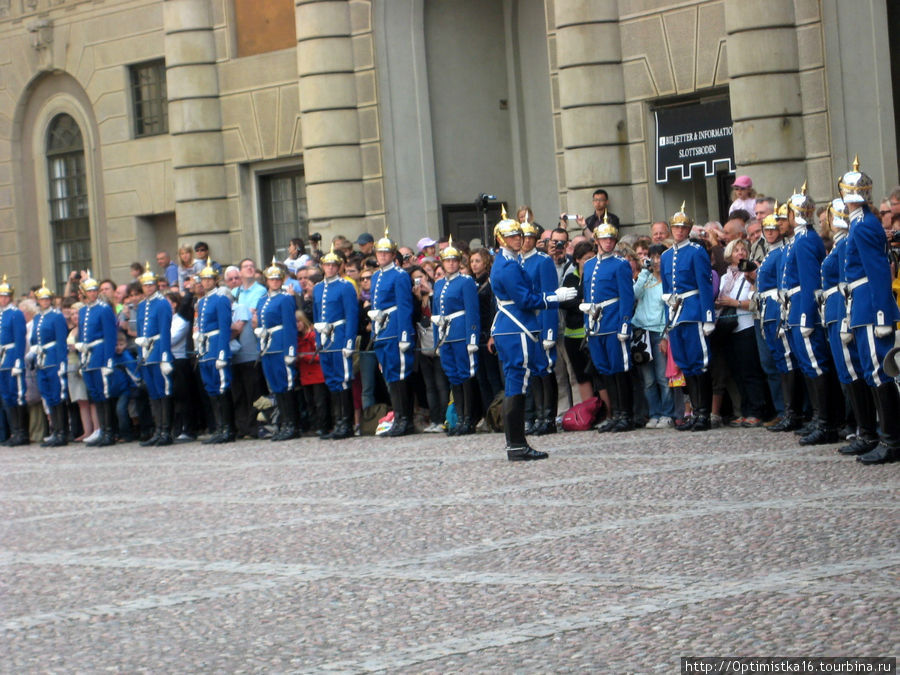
[
  {"x": 15, "y": 372},
  {"x": 472, "y": 349},
  {"x": 404, "y": 346},
  {"x": 79, "y": 346},
  {"x": 846, "y": 337},
  {"x": 780, "y": 333},
  {"x": 373, "y": 314},
  {"x": 106, "y": 371},
  {"x": 196, "y": 336},
  {"x": 347, "y": 352},
  {"x": 585, "y": 307},
  {"x": 32, "y": 351},
  {"x": 883, "y": 331},
  {"x": 259, "y": 331},
  {"x": 320, "y": 326},
  {"x": 140, "y": 341},
  {"x": 806, "y": 331},
  {"x": 289, "y": 360},
  {"x": 165, "y": 367},
  {"x": 221, "y": 364},
  {"x": 708, "y": 327},
  {"x": 548, "y": 345},
  {"x": 564, "y": 293},
  {"x": 623, "y": 337}
]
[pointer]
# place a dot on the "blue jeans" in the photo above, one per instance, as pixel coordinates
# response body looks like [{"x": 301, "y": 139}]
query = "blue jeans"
[
  {"x": 368, "y": 372},
  {"x": 656, "y": 385},
  {"x": 767, "y": 361},
  {"x": 123, "y": 418}
]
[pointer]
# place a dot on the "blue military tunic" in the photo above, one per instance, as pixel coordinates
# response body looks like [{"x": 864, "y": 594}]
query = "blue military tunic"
[
  {"x": 687, "y": 288},
  {"x": 97, "y": 344},
  {"x": 456, "y": 321},
  {"x": 801, "y": 278},
  {"x": 48, "y": 345},
  {"x": 212, "y": 342},
  {"x": 517, "y": 325},
  {"x": 834, "y": 311},
  {"x": 336, "y": 319},
  {"x": 154, "y": 329},
  {"x": 768, "y": 280},
  {"x": 608, "y": 292},
  {"x": 12, "y": 356},
  {"x": 868, "y": 274},
  {"x": 276, "y": 330},
  {"x": 542, "y": 271},
  {"x": 392, "y": 322}
]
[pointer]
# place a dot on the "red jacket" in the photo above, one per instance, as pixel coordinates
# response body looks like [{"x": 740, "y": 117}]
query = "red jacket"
[{"x": 308, "y": 360}]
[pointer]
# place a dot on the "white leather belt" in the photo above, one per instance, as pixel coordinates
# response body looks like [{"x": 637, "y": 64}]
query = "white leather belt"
[
  {"x": 856, "y": 284},
  {"x": 827, "y": 293},
  {"x": 501, "y": 307}
]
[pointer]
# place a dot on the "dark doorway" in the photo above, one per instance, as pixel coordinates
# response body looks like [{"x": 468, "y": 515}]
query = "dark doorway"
[
  {"x": 465, "y": 222},
  {"x": 893, "y": 18}
]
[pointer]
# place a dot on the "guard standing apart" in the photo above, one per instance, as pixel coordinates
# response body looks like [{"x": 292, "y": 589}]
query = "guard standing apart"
[
  {"x": 12, "y": 366},
  {"x": 687, "y": 290},
  {"x": 336, "y": 314},
  {"x": 276, "y": 330},
  {"x": 872, "y": 309},
  {"x": 97, "y": 346},
  {"x": 154, "y": 339},
  {"x": 768, "y": 280},
  {"x": 50, "y": 354},
  {"x": 801, "y": 281},
  {"x": 834, "y": 316},
  {"x": 456, "y": 319},
  {"x": 392, "y": 332},
  {"x": 541, "y": 269},
  {"x": 516, "y": 332},
  {"x": 212, "y": 337},
  {"x": 608, "y": 293}
]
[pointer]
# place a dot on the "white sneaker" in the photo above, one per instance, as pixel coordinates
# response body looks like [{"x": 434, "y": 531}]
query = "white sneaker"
[
  {"x": 652, "y": 423},
  {"x": 93, "y": 437},
  {"x": 433, "y": 428},
  {"x": 664, "y": 422}
]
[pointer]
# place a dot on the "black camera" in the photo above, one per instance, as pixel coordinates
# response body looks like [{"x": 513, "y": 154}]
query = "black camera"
[
  {"x": 747, "y": 266},
  {"x": 647, "y": 264},
  {"x": 559, "y": 243},
  {"x": 895, "y": 237},
  {"x": 639, "y": 353}
]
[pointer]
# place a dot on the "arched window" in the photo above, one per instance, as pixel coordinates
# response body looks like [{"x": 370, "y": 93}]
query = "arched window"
[{"x": 69, "y": 218}]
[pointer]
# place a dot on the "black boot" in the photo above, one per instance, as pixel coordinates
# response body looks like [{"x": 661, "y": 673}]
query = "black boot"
[
  {"x": 612, "y": 391},
  {"x": 18, "y": 424},
  {"x": 403, "y": 424},
  {"x": 825, "y": 429},
  {"x": 863, "y": 405},
  {"x": 227, "y": 408},
  {"x": 105, "y": 414},
  {"x": 540, "y": 424},
  {"x": 792, "y": 418},
  {"x": 458, "y": 403},
  {"x": 551, "y": 404},
  {"x": 215, "y": 402},
  {"x": 887, "y": 398},
  {"x": 287, "y": 415},
  {"x": 517, "y": 448},
  {"x": 468, "y": 420},
  {"x": 167, "y": 417},
  {"x": 156, "y": 412},
  {"x": 57, "y": 427},
  {"x": 336, "y": 414},
  {"x": 690, "y": 383},
  {"x": 344, "y": 427},
  {"x": 626, "y": 402},
  {"x": 703, "y": 386}
]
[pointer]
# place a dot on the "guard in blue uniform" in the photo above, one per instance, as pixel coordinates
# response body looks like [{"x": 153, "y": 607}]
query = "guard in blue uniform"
[
  {"x": 212, "y": 338},
  {"x": 768, "y": 279},
  {"x": 608, "y": 293},
  {"x": 516, "y": 332},
  {"x": 541, "y": 269},
  {"x": 393, "y": 335},
  {"x": 456, "y": 321},
  {"x": 872, "y": 309},
  {"x": 97, "y": 346},
  {"x": 49, "y": 354},
  {"x": 834, "y": 315},
  {"x": 336, "y": 318},
  {"x": 154, "y": 339},
  {"x": 12, "y": 366},
  {"x": 801, "y": 283},
  {"x": 276, "y": 330},
  {"x": 687, "y": 290}
]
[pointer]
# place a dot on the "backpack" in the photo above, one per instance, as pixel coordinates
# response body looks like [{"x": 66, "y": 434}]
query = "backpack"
[
  {"x": 494, "y": 415},
  {"x": 369, "y": 417},
  {"x": 581, "y": 417}
]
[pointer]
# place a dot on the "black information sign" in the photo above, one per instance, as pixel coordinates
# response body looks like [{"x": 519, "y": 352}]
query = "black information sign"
[{"x": 696, "y": 135}]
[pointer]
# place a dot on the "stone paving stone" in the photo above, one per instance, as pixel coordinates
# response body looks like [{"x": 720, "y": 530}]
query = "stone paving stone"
[{"x": 428, "y": 554}]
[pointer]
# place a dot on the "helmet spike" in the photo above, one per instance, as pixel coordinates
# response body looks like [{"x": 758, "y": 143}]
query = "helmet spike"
[
  {"x": 803, "y": 188},
  {"x": 682, "y": 206},
  {"x": 856, "y": 162},
  {"x": 503, "y": 212}
]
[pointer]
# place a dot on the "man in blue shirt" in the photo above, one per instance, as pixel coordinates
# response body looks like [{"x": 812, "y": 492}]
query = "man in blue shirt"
[{"x": 168, "y": 269}]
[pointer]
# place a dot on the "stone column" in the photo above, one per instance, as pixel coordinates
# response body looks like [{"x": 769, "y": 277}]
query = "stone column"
[
  {"x": 766, "y": 106},
  {"x": 592, "y": 102},
  {"x": 329, "y": 121},
  {"x": 195, "y": 124}
]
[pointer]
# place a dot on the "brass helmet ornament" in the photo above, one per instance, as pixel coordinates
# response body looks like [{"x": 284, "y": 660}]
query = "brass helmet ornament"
[
  {"x": 770, "y": 222},
  {"x": 529, "y": 230},
  {"x": 148, "y": 277},
  {"x": 208, "y": 272},
  {"x": 331, "y": 258},
  {"x": 681, "y": 219},
  {"x": 273, "y": 271},
  {"x": 385, "y": 244},
  {"x": 840, "y": 214},
  {"x": 5, "y": 288},
  {"x": 88, "y": 283},
  {"x": 507, "y": 227},
  {"x": 855, "y": 186},
  {"x": 606, "y": 231},
  {"x": 450, "y": 252},
  {"x": 802, "y": 206},
  {"x": 781, "y": 211},
  {"x": 43, "y": 292}
]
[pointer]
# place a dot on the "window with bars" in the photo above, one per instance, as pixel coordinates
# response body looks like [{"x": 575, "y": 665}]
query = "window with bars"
[
  {"x": 148, "y": 92},
  {"x": 284, "y": 214},
  {"x": 69, "y": 218}
]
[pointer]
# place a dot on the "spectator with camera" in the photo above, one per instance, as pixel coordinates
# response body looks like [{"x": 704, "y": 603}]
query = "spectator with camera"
[{"x": 650, "y": 319}]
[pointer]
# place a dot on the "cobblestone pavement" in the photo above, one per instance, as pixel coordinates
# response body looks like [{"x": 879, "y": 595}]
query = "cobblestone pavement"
[{"x": 429, "y": 554}]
